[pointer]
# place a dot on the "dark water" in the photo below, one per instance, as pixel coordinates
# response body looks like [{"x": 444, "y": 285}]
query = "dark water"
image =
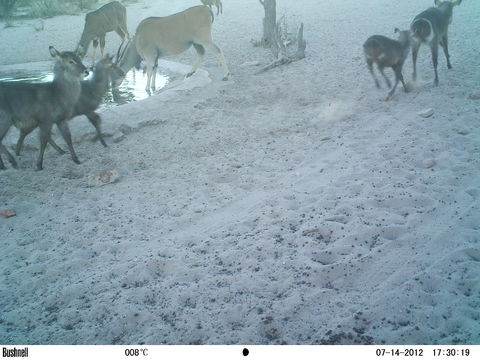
[{"x": 132, "y": 88}]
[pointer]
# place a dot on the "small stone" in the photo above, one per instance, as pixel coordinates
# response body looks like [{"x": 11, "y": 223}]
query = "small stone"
[
  {"x": 326, "y": 138},
  {"x": 429, "y": 164},
  {"x": 106, "y": 177},
  {"x": 118, "y": 136},
  {"x": 474, "y": 96},
  {"x": 463, "y": 132},
  {"x": 251, "y": 63},
  {"x": 426, "y": 113},
  {"x": 125, "y": 129},
  {"x": 8, "y": 213}
]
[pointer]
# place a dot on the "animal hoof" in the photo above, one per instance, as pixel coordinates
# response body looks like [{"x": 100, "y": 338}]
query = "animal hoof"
[
  {"x": 190, "y": 74},
  {"x": 76, "y": 161},
  {"x": 225, "y": 78}
]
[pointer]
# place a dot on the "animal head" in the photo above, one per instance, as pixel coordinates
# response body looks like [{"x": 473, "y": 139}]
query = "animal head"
[
  {"x": 404, "y": 37},
  {"x": 69, "y": 62},
  {"x": 106, "y": 62},
  {"x": 439, "y": 3},
  {"x": 447, "y": 7},
  {"x": 126, "y": 58}
]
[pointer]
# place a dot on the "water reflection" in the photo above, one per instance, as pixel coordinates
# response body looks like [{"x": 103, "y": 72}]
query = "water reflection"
[{"x": 131, "y": 89}]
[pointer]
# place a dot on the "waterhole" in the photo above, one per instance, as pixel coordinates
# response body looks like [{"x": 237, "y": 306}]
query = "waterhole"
[{"x": 131, "y": 89}]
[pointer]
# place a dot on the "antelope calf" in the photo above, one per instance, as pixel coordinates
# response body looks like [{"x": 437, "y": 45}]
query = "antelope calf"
[
  {"x": 386, "y": 52},
  {"x": 28, "y": 106},
  {"x": 110, "y": 17},
  {"x": 158, "y": 37},
  {"x": 91, "y": 96},
  {"x": 211, "y": 3},
  {"x": 431, "y": 27}
]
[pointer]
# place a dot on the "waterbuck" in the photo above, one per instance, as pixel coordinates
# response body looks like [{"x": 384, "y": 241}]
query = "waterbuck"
[
  {"x": 158, "y": 37},
  {"x": 431, "y": 27},
  {"x": 211, "y": 3},
  {"x": 386, "y": 52},
  {"x": 92, "y": 94},
  {"x": 27, "y": 105},
  {"x": 110, "y": 17}
]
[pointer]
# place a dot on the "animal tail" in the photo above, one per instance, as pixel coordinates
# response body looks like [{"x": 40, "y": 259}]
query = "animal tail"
[{"x": 421, "y": 29}]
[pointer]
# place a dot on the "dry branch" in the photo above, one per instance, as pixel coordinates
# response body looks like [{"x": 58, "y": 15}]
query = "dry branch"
[{"x": 281, "y": 50}]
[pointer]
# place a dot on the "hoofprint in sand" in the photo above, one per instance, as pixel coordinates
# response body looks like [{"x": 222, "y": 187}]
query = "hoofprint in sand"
[{"x": 295, "y": 206}]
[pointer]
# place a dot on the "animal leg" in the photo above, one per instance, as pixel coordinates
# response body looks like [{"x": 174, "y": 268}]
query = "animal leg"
[
  {"x": 444, "y": 44},
  {"x": 398, "y": 73},
  {"x": 370, "y": 68},
  {"x": 200, "y": 55},
  {"x": 55, "y": 146},
  {"x": 94, "y": 45},
  {"x": 95, "y": 120},
  {"x": 149, "y": 77},
  {"x": 65, "y": 131},
  {"x": 21, "y": 138},
  {"x": 434, "y": 48},
  {"x": 397, "y": 79},
  {"x": 102, "y": 44},
  {"x": 221, "y": 57},
  {"x": 415, "y": 47},
  {"x": 154, "y": 74},
  {"x": 387, "y": 80},
  {"x": 44, "y": 135},
  {"x": 25, "y": 132},
  {"x": 5, "y": 125}
]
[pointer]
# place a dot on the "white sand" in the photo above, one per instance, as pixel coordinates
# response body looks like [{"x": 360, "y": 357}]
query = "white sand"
[{"x": 291, "y": 207}]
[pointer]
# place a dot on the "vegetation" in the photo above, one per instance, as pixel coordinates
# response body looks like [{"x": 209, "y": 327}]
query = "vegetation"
[
  {"x": 33, "y": 9},
  {"x": 10, "y": 9},
  {"x": 7, "y": 7},
  {"x": 49, "y": 8}
]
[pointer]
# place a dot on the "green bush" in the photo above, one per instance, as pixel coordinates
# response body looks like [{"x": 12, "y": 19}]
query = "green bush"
[
  {"x": 86, "y": 4},
  {"x": 7, "y": 7},
  {"x": 50, "y": 8}
]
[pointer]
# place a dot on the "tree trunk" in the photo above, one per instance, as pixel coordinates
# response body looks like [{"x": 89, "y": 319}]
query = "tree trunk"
[{"x": 269, "y": 22}]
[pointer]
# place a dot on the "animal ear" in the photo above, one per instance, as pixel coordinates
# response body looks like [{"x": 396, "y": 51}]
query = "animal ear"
[
  {"x": 54, "y": 52},
  {"x": 437, "y": 2},
  {"x": 457, "y": 2},
  {"x": 397, "y": 30}
]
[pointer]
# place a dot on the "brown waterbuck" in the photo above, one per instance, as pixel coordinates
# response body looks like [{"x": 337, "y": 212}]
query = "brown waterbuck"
[
  {"x": 28, "y": 106},
  {"x": 91, "y": 96},
  {"x": 110, "y": 17},
  {"x": 157, "y": 37},
  {"x": 211, "y": 3},
  {"x": 431, "y": 27},
  {"x": 386, "y": 52}
]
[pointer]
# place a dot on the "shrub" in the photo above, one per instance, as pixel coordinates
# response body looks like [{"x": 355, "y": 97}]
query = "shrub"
[{"x": 7, "y": 7}]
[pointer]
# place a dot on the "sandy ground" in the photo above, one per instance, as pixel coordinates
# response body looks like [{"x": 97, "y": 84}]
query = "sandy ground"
[{"x": 291, "y": 207}]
